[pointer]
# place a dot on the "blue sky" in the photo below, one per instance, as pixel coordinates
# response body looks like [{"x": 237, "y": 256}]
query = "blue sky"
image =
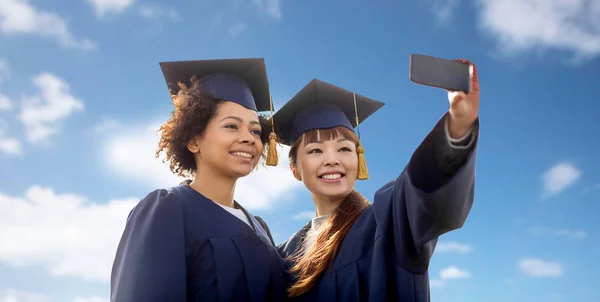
[{"x": 81, "y": 97}]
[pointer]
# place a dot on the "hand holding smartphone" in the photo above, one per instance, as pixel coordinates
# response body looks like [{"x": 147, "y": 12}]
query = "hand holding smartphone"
[{"x": 440, "y": 73}]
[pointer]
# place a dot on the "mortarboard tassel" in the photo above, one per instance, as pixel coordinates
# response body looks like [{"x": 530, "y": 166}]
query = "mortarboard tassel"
[
  {"x": 272, "y": 157},
  {"x": 363, "y": 171}
]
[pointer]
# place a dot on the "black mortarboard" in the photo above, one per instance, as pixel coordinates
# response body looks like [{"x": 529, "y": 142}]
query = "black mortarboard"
[
  {"x": 320, "y": 105},
  {"x": 242, "y": 81}
]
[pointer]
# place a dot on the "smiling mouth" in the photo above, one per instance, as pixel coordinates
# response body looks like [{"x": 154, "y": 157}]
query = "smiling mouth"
[
  {"x": 243, "y": 155},
  {"x": 332, "y": 176}
]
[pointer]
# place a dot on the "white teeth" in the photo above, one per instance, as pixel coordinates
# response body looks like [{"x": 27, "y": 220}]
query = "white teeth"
[
  {"x": 332, "y": 176},
  {"x": 242, "y": 154}
]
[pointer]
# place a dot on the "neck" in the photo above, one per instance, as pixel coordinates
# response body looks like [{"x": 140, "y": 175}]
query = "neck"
[
  {"x": 326, "y": 205},
  {"x": 214, "y": 186}
]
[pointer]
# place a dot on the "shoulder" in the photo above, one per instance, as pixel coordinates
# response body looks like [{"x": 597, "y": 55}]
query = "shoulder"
[
  {"x": 160, "y": 202},
  {"x": 292, "y": 244}
]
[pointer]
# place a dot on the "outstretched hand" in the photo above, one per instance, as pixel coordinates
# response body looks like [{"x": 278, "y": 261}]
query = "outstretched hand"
[{"x": 464, "y": 107}]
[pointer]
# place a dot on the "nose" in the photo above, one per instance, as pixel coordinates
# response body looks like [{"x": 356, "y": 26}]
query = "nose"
[
  {"x": 331, "y": 159},
  {"x": 247, "y": 138}
]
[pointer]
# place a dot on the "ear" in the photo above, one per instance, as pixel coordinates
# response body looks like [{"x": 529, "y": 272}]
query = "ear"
[
  {"x": 193, "y": 145},
  {"x": 295, "y": 172}
]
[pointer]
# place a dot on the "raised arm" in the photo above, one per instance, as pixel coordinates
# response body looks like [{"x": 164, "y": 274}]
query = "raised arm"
[
  {"x": 150, "y": 264},
  {"x": 434, "y": 193}
]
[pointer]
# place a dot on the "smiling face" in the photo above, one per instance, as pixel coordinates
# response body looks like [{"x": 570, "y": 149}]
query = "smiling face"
[
  {"x": 231, "y": 144},
  {"x": 325, "y": 160}
]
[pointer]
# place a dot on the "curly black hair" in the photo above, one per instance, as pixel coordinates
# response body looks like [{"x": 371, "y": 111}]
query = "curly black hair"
[{"x": 193, "y": 111}]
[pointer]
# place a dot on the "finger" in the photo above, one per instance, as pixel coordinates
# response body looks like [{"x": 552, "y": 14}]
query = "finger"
[
  {"x": 455, "y": 96},
  {"x": 472, "y": 73},
  {"x": 474, "y": 78}
]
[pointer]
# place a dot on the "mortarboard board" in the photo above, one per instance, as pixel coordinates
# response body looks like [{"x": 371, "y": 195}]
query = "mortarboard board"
[
  {"x": 321, "y": 105},
  {"x": 242, "y": 81}
]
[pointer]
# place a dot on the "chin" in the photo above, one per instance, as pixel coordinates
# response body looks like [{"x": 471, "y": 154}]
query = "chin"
[
  {"x": 240, "y": 172},
  {"x": 335, "y": 193}
]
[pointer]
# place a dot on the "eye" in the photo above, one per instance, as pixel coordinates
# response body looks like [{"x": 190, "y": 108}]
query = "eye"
[
  {"x": 345, "y": 149},
  {"x": 257, "y": 132},
  {"x": 231, "y": 126},
  {"x": 314, "y": 151}
]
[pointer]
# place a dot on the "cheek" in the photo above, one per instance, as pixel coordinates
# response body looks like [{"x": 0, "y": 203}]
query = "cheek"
[
  {"x": 351, "y": 164},
  {"x": 306, "y": 167}
]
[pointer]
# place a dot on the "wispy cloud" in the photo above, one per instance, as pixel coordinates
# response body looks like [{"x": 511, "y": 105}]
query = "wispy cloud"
[
  {"x": 449, "y": 273},
  {"x": 558, "y": 178},
  {"x": 237, "y": 29},
  {"x": 156, "y": 12},
  {"x": 564, "y": 232},
  {"x": 14, "y": 295},
  {"x": 444, "y": 10},
  {"x": 307, "y": 215},
  {"x": 42, "y": 113},
  {"x": 539, "y": 268},
  {"x": 20, "y": 17},
  {"x": 533, "y": 25},
  {"x": 104, "y": 7},
  {"x": 271, "y": 8},
  {"x": 453, "y": 247}
]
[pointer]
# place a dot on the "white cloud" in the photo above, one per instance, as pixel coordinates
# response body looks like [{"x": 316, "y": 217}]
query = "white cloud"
[
  {"x": 105, "y": 7},
  {"x": 90, "y": 299},
  {"x": 157, "y": 13},
  {"x": 453, "y": 272},
  {"x": 9, "y": 145},
  {"x": 534, "y": 267},
  {"x": 43, "y": 113},
  {"x": 444, "y": 9},
  {"x": 564, "y": 232},
  {"x": 453, "y": 247},
  {"x": 130, "y": 155},
  {"x": 13, "y": 295},
  {"x": 269, "y": 7},
  {"x": 449, "y": 273},
  {"x": 20, "y": 17},
  {"x": 304, "y": 215},
  {"x": 5, "y": 103},
  {"x": 64, "y": 233},
  {"x": 558, "y": 178},
  {"x": 531, "y": 25}
]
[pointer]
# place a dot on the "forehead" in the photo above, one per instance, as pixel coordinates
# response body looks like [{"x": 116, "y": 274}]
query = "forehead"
[{"x": 236, "y": 110}]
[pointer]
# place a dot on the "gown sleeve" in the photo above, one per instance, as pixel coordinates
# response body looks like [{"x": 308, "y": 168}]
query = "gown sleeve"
[
  {"x": 150, "y": 263},
  {"x": 433, "y": 195}
]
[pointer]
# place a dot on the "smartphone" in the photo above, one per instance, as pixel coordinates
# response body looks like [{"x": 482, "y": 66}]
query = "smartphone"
[{"x": 440, "y": 73}]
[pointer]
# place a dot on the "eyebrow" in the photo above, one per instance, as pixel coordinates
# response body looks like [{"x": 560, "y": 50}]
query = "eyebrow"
[
  {"x": 339, "y": 141},
  {"x": 252, "y": 122}
]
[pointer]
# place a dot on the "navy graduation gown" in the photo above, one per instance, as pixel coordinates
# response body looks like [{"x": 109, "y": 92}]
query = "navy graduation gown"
[
  {"x": 385, "y": 255},
  {"x": 180, "y": 246}
]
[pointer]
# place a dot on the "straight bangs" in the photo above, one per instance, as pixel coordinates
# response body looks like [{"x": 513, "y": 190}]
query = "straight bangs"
[{"x": 322, "y": 135}]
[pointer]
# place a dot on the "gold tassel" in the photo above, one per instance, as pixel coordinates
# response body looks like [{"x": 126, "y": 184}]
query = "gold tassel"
[
  {"x": 272, "y": 157},
  {"x": 363, "y": 171}
]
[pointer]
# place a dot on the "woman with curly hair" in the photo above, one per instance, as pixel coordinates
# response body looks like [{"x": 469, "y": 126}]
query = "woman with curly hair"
[{"x": 194, "y": 242}]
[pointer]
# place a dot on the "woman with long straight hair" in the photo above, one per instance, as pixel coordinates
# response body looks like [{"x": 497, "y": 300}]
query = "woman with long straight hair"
[
  {"x": 194, "y": 242},
  {"x": 354, "y": 250}
]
